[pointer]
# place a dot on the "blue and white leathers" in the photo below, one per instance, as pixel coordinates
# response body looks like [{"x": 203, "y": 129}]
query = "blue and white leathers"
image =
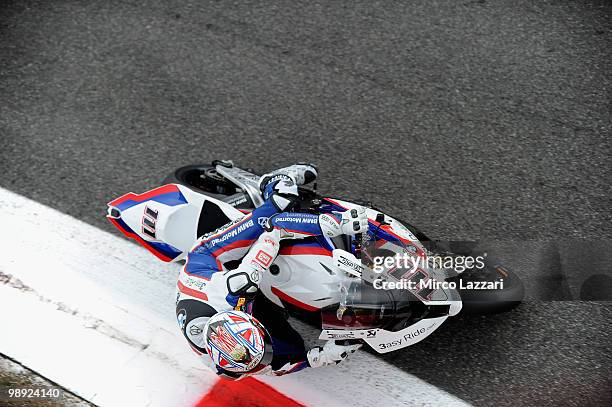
[
  {"x": 254, "y": 239},
  {"x": 208, "y": 284}
]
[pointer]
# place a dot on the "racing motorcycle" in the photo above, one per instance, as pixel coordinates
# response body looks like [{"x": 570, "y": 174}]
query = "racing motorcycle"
[{"x": 332, "y": 281}]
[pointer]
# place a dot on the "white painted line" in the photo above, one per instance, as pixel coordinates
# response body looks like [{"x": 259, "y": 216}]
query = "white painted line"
[{"x": 95, "y": 313}]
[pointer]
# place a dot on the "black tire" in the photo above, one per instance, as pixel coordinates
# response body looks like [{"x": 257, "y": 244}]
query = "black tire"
[
  {"x": 203, "y": 178},
  {"x": 490, "y": 301}
]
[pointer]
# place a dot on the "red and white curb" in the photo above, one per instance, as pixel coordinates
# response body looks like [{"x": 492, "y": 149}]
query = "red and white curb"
[{"x": 95, "y": 313}]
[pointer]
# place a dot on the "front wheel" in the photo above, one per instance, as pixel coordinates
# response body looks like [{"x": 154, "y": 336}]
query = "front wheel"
[{"x": 478, "y": 299}]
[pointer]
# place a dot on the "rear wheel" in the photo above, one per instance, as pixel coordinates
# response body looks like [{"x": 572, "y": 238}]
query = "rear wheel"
[{"x": 202, "y": 177}]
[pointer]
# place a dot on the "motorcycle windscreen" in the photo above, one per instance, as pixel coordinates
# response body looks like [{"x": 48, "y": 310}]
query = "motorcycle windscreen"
[{"x": 408, "y": 268}]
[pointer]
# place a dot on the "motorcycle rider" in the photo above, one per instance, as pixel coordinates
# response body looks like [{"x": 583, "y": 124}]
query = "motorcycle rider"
[{"x": 215, "y": 307}]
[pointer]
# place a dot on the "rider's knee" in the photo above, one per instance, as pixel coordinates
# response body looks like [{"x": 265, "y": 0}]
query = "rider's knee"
[{"x": 192, "y": 315}]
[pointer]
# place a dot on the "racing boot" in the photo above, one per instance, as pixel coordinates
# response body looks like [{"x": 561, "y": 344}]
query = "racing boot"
[{"x": 300, "y": 174}]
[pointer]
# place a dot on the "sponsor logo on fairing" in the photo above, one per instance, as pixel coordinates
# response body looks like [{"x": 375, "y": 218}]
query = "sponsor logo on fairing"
[
  {"x": 412, "y": 335},
  {"x": 407, "y": 337},
  {"x": 391, "y": 344},
  {"x": 348, "y": 335},
  {"x": 344, "y": 261},
  {"x": 237, "y": 201}
]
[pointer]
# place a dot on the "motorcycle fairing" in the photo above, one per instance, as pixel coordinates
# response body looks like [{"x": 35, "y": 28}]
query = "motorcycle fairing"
[
  {"x": 308, "y": 246},
  {"x": 168, "y": 194},
  {"x": 162, "y": 251},
  {"x": 165, "y": 220},
  {"x": 382, "y": 340},
  {"x": 304, "y": 271},
  {"x": 368, "y": 307},
  {"x": 392, "y": 230}
]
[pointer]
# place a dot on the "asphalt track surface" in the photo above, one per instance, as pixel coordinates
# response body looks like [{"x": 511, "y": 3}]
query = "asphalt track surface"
[{"x": 473, "y": 119}]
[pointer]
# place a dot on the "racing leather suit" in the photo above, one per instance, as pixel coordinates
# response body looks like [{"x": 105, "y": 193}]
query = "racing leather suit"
[{"x": 210, "y": 283}]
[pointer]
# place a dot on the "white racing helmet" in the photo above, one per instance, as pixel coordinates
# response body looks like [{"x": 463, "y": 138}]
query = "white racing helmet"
[{"x": 237, "y": 342}]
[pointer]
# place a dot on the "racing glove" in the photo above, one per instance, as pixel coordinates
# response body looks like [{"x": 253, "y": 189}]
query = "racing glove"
[
  {"x": 348, "y": 222},
  {"x": 329, "y": 354}
]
